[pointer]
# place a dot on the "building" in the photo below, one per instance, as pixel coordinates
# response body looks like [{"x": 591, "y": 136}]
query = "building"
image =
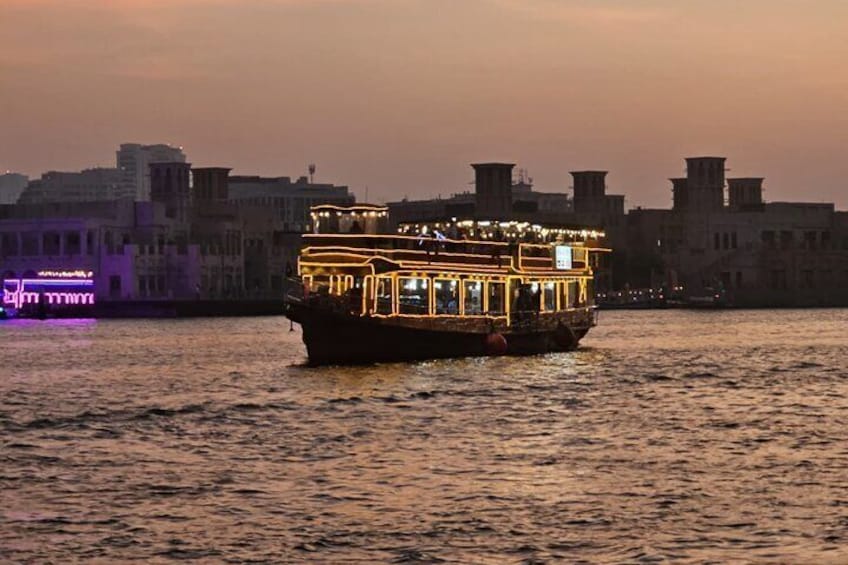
[
  {"x": 190, "y": 249},
  {"x": 134, "y": 159},
  {"x": 591, "y": 198},
  {"x": 129, "y": 179},
  {"x": 734, "y": 243},
  {"x": 290, "y": 200},
  {"x": 496, "y": 194},
  {"x": 11, "y": 187},
  {"x": 88, "y": 185}
]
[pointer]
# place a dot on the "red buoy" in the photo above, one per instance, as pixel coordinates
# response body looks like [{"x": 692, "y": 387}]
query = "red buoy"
[{"x": 495, "y": 344}]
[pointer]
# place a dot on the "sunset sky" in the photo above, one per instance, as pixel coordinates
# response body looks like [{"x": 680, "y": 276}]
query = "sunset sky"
[{"x": 401, "y": 95}]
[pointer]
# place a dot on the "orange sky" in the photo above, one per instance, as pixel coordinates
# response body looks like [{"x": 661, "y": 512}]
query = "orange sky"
[{"x": 400, "y": 95}]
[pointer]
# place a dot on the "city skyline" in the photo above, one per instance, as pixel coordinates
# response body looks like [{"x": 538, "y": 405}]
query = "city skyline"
[{"x": 400, "y": 96}]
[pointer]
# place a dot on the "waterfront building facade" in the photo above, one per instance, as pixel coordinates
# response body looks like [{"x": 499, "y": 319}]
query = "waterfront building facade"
[
  {"x": 191, "y": 244},
  {"x": 735, "y": 244}
]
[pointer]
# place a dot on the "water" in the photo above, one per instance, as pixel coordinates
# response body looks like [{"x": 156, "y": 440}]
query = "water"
[{"x": 684, "y": 436}]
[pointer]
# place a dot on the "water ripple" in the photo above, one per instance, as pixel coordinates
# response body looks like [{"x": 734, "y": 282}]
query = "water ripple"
[{"x": 670, "y": 436}]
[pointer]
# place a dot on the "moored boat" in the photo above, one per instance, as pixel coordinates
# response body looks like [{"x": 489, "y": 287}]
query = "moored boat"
[{"x": 440, "y": 289}]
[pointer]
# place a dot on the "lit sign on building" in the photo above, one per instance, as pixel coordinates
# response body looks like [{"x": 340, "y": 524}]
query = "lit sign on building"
[
  {"x": 57, "y": 288},
  {"x": 562, "y": 257},
  {"x": 78, "y": 274}
]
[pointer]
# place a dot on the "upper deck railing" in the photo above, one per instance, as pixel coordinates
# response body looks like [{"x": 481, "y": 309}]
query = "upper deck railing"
[{"x": 423, "y": 250}]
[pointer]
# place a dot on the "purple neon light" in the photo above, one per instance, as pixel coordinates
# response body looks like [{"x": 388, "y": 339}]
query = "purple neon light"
[{"x": 16, "y": 293}]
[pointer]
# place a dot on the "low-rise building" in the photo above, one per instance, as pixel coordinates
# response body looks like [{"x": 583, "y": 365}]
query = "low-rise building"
[
  {"x": 290, "y": 200},
  {"x": 11, "y": 187},
  {"x": 500, "y": 194},
  {"x": 88, "y": 185},
  {"x": 190, "y": 249},
  {"x": 756, "y": 253}
]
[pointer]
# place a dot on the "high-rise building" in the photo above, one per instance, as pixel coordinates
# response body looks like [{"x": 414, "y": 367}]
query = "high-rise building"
[{"x": 134, "y": 159}]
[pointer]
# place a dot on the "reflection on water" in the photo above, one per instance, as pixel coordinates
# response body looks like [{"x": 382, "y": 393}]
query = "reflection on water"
[{"x": 670, "y": 435}]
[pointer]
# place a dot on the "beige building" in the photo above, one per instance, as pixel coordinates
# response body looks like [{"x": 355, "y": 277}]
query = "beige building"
[{"x": 756, "y": 253}]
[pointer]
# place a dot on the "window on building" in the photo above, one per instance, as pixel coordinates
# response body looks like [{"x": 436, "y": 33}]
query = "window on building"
[
  {"x": 786, "y": 238},
  {"x": 733, "y": 241},
  {"x": 50, "y": 243},
  {"x": 72, "y": 243},
  {"x": 109, "y": 243},
  {"x": 716, "y": 241},
  {"x": 807, "y": 280},
  {"x": 29, "y": 243},
  {"x": 809, "y": 240},
  {"x": 768, "y": 239},
  {"x": 115, "y": 286},
  {"x": 10, "y": 244},
  {"x": 738, "y": 279},
  {"x": 142, "y": 286}
]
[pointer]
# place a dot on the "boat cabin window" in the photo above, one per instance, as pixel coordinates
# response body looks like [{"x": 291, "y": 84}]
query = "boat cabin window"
[
  {"x": 549, "y": 296},
  {"x": 473, "y": 303},
  {"x": 319, "y": 284},
  {"x": 385, "y": 296},
  {"x": 496, "y": 293},
  {"x": 527, "y": 298},
  {"x": 572, "y": 294},
  {"x": 447, "y": 296},
  {"x": 413, "y": 296}
]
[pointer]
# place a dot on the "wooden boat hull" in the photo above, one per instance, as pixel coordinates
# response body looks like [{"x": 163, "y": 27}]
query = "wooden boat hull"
[{"x": 338, "y": 338}]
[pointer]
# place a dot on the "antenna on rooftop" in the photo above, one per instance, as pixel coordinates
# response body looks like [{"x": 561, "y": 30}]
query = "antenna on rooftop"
[{"x": 311, "y": 172}]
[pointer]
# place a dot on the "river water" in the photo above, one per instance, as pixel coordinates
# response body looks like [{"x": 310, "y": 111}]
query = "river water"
[{"x": 670, "y": 435}]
